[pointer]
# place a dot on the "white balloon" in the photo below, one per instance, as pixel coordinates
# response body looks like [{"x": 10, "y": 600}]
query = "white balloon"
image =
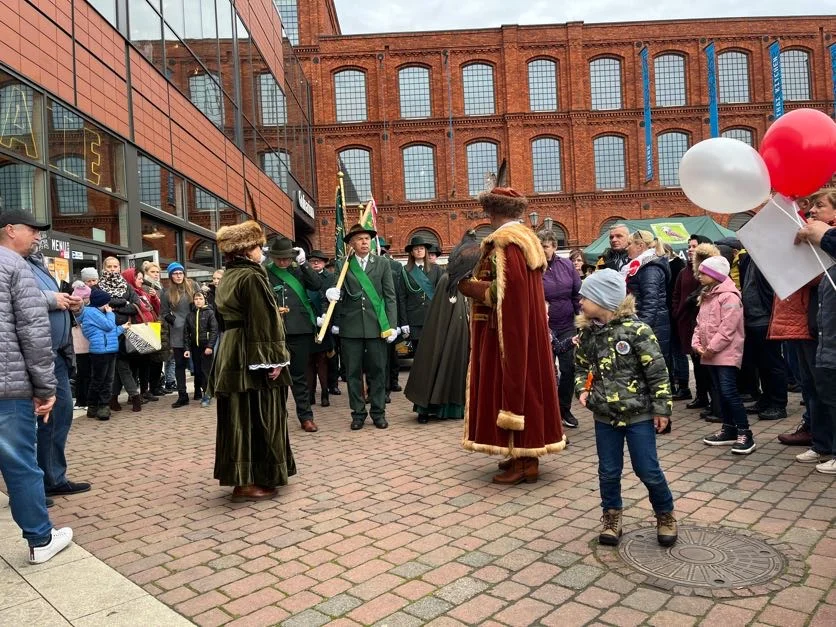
[{"x": 724, "y": 175}]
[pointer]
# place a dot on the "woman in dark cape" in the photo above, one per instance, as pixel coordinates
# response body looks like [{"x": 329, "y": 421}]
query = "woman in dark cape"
[{"x": 437, "y": 381}]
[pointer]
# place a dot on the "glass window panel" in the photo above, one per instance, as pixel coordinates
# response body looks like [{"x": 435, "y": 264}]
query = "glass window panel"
[
  {"x": 427, "y": 235},
  {"x": 739, "y": 220},
  {"x": 733, "y": 77},
  {"x": 414, "y": 89},
  {"x": 162, "y": 238},
  {"x": 542, "y": 85},
  {"x": 350, "y": 95},
  {"x": 560, "y": 235},
  {"x": 273, "y": 101},
  {"x": 609, "y": 162},
  {"x": 20, "y": 118},
  {"x": 419, "y": 172},
  {"x": 246, "y": 49},
  {"x": 290, "y": 19},
  {"x": 107, "y": 8},
  {"x": 477, "y": 81},
  {"x": 605, "y": 84},
  {"x": 158, "y": 186},
  {"x": 230, "y": 215},
  {"x": 545, "y": 157},
  {"x": 21, "y": 186},
  {"x": 84, "y": 212},
  {"x": 672, "y": 147},
  {"x": 481, "y": 160},
  {"x": 101, "y": 154},
  {"x": 355, "y": 163},
  {"x": 795, "y": 74},
  {"x": 205, "y": 94},
  {"x": 669, "y": 76},
  {"x": 608, "y": 224},
  {"x": 72, "y": 195},
  {"x": 201, "y": 256},
  {"x": 146, "y": 32},
  {"x": 203, "y": 208},
  {"x": 742, "y": 134},
  {"x": 276, "y": 165}
]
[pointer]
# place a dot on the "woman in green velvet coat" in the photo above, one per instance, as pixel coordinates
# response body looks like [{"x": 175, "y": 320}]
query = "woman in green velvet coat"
[{"x": 250, "y": 376}]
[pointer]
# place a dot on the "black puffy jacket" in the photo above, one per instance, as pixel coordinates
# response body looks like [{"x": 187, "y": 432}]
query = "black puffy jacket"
[{"x": 649, "y": 286}]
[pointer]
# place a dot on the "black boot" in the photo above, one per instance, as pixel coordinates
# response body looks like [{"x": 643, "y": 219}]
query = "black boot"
[
  {"x": 324, "y": 400},
  {"x": 182, "y": 401}
]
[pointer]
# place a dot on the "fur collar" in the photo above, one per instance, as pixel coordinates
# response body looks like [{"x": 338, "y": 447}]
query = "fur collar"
[
  {"x": 701, "y": 253},
  {"x": 627, "y": 309},
  {"x": 523, "y": 237}
]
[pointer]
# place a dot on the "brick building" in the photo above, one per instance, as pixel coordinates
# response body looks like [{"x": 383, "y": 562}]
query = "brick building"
[{"x": 417, "y": 118}]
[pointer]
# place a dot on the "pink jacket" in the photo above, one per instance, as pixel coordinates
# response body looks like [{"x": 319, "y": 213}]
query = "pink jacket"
[{"x": 720, "y": 326}]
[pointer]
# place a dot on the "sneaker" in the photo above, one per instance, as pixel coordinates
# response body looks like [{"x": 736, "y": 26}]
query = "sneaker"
[
  {"x": 800, "y": 437},
  {"x": 71, "y": 487},
  {"x": 205, "y": 402},
  {"x": 744, "y": 444},
  {"x": 60, "y": 540},
  {"x": 772, "y": 413},
  {"x": 80, "y": 408},
  {"x": 827, "y": 468},
  {"x": 611, "y": 533},
  {"x": 755, "y": 408},
  {"x": 726, "y": 436},
  {"x": 569, "y": 420},
  {"x": 808, "y": 457},
  {"x": 666, "y": 533}
]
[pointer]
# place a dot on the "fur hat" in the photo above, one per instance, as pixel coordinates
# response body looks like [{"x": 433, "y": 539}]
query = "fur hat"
[
  {"x": 716, "y": 267},
  {"x": 701, "y": 253},
  {"x": 98, "y": 297},
  {"x": 240, "y": 237},
  {"x": 503, "y": 201}
]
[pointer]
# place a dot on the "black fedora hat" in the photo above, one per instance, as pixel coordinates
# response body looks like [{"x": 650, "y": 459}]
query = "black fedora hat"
[
  {"x": 282, "y": 248},
  {"x": 318, "y": 254},
  {"x": 356, "y": 229},
  {"x": 417, "y": 240}
]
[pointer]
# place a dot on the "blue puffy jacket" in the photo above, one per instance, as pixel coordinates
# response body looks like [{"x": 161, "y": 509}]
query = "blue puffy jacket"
[
  {"x": 100, "y": 330},
  {"x": 650, "y": 288}
]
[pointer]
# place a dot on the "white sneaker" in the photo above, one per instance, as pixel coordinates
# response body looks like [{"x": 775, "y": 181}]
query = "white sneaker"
[
  {"x": 808, "y": 457},
  {"x": 61, "y": 539},
  {"x": 827, "y": 468}
]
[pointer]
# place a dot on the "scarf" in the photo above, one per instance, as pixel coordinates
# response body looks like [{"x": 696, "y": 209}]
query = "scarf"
[
  {"x": 636, "y": 264},
  {"x": 114, "y": 284}
]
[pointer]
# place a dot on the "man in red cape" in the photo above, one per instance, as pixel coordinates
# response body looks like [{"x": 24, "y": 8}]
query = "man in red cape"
[{"x": 512, "y": 407}]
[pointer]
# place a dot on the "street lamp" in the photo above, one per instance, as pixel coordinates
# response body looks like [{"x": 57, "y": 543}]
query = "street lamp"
[
  {"x": 534, "y": 218},
  {"x": 548, "y": 224}
]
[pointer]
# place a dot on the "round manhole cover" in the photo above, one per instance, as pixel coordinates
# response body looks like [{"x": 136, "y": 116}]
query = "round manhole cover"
[{"x": 703, "y": 558}]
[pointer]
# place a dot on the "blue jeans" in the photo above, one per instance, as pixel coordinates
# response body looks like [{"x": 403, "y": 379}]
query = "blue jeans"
[
  {"x": 724, "y": 379},
  {"x": 52, "y": 435},
  {"x": 19, "y": 467},
  {"x": 169, "y": 371},
  {"x": 641, "y": 442}
]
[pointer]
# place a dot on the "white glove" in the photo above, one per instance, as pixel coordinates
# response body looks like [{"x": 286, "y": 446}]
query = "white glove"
[
  {"x": 405, "y": 330},
  {"x": 320, "y": 321},
  {"x": 335, "y": 330},
  {"x": 333, "y": 294},
  {"x": 300, "y": 256},
  {"x": 393, "y": 335}
]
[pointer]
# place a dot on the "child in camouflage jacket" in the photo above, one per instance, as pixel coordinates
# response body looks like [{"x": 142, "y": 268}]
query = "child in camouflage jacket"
[{"x": 620, "y": 375}]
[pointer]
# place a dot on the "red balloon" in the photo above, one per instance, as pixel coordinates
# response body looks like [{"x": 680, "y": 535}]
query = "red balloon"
[{"x": 799, "y": 150}]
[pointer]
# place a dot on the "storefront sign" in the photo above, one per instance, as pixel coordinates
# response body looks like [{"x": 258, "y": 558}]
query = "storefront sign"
[
  {"x": 53, "y": 247},
  {"x": 16, "y": 124},
  {"x": 306, "y": 207}
]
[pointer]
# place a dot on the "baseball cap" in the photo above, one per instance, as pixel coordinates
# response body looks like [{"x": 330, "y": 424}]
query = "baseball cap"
[{"x": 19, "y": 216}]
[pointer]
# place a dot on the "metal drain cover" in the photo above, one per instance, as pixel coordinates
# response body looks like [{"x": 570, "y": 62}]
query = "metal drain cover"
[{"x": 707, "y": 558}]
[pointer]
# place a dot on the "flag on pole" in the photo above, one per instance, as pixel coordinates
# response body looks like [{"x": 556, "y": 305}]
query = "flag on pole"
[
  {"x": 777, "y": 79},
  {"x": 369, "y": 221},
  {"x": 713, "y": 109},
  {"x": 339, "y": 220}
]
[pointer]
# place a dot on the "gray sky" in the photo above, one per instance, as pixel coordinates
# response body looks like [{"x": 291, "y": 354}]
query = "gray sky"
[{"x": 382, "y": 16}]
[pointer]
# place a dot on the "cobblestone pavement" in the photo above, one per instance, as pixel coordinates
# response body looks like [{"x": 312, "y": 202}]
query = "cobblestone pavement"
[{"x": 403, "y": 527}]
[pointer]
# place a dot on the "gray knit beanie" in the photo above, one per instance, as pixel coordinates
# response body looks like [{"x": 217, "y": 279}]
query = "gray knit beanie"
[
  {"x": 89, "y": 274},
  {"x": 606, "y": 288}
]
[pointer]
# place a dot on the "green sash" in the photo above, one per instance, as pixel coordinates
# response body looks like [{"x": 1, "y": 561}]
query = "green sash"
[
  {"x": 288, "y": 279},
  {"x": 423, "y": 281},
  {"x": 374, "y": 297}
]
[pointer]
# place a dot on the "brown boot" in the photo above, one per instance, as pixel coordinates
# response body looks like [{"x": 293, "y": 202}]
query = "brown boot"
[
  {"x": 611, "y": 531},
  {"x": 252, "y": 493},
  {"x": 521, "y": 469},
  {"x": 136, "y": 403},
  {"x": 114, "y": 404},
  {"x": 506, "y": 464}
]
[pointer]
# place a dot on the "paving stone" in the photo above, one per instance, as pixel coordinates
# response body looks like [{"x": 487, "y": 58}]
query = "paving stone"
[
  {"x": 428, "y": 608},
  {"x": 308, "y": 618},
  {"x": 562, "y": 558},
  {"x": 476, "y": 559},
  {"x": 400, "y": 619},
  {"x": 461, "y": 590},
  {"x": 339, "y": 605},
  {"x": 646, "y": 600},
  {"x": 578, "y": 577},
  {"x": 478, "y": 609},
  {"x": 410, "y": 570},
  {"x": 524, "y": 612},
  {"x": 570, "y": 615}
]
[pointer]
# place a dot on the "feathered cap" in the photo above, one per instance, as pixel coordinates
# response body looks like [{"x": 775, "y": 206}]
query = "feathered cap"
[
  {"x": 503, "y": 201},
  {"x": 240, "y": 237}
]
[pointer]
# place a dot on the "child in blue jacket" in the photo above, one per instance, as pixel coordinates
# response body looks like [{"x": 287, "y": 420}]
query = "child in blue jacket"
[{"x": 98, "y": 323}]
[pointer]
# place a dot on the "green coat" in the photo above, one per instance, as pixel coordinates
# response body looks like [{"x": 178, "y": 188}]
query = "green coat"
[
  {"x": 414, "y": 303},
  {"x": 296, "y": 321},
  {"x": 397, "y": 269},
  {"x": 354, "y": 314}
]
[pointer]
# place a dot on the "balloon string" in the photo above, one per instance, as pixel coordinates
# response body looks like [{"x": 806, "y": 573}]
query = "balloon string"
[{"x": 796, "y": 219}]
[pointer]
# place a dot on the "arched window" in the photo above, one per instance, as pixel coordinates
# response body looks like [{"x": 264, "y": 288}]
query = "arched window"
[
  {"x": 559, "y": 235},
  {"x": 605, "y": 83},
  {"x": 733, "y": 77},
  {"x": 414, "y": 89},
  {"x": 545, "y": 161},
  {"x": 205, "y": 94},
  {"x": 290, "y": 19},
  {"x": 427, "y": 235},
  {"x": 483, "y": 230},
  {"x": 795, "y": 74},
  {"x": 276, "y": 165},
  {"x": 742, "y": 134},
  {"x": 542, "y": 85},
  {"x": 419, "y": 173},
  {"x": 477, "y": 81},
  {"x": 610, "y": 171},
  {"x": 356, "y": 164},
  {"x": 672, "y": 146},
  {"x": 739, "y": 220},
  {"x": 669, "y": 76},
  {"x": 273, "y": 101},
  {"x": 71, "y": 195},
  {"x": 481, "y": 160},
  {"x": 350, "y": 95},
  {"x": 607, "y": 224}
]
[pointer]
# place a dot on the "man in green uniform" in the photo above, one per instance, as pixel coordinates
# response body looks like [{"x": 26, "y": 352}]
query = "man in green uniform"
[
  {"x": 365, "y": 318},
  {"x": 290, "y": 281},
  {"x": 325, "y": 360},
  {"x": 393, "y": 368}
]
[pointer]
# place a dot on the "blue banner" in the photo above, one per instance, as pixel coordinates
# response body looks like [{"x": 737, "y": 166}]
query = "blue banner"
[
  {"x": 777, "y": 82},
  {"x": 648, "y": 121},
  {"x": 833, "y": 70},
  {"x": 713, "y": 109}
]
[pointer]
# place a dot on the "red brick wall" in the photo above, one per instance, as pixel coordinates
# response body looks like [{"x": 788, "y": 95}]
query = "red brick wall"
[{"x": 579, "y": 209}]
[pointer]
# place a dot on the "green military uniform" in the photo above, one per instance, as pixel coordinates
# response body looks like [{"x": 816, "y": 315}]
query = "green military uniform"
[
  {"x": 393, "y": 369},
  {"x": 299, "y": 320},
  {"x": 363, "y": 350},
  {"x": 415, "y": 302}
]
